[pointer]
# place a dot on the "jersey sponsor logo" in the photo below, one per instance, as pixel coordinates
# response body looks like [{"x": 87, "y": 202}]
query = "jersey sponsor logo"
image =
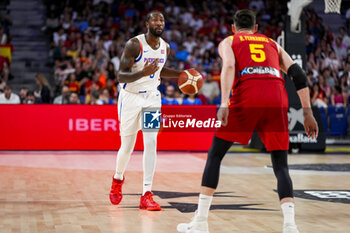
[
  {"x": 151, "y": 119},
  {"x": 260, "y": 70},
  {"x": 145, "y": 51},
  {"x": 161, "y": 60}
]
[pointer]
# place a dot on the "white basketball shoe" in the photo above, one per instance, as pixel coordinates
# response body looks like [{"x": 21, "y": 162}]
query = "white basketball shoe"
[
  {"x": 198, "y": 224},
  {"x": 290, "y": 228}
]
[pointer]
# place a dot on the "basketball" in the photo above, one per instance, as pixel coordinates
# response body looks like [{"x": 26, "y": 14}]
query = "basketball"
[{"x": 190, "y": 81}]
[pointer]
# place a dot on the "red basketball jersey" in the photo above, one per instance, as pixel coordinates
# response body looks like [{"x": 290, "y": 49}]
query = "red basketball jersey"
[{"x": 256, "y": 57}]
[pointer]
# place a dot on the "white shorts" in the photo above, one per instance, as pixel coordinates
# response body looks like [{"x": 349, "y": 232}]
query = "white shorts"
[{"x": 130, "y": 106}]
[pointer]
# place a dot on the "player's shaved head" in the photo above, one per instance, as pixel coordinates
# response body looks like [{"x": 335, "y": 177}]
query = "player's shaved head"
[
  {"x": 152, "y": 14},
  {"x": 244, "y": 19}
]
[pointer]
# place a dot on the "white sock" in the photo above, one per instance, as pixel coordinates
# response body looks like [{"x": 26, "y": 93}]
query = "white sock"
[
  {"x": 126, "y": 148},
  {"x": 204, "y": 204},
  {"x": 149, "y": 159},
  {"x": 288, "y": 212}
]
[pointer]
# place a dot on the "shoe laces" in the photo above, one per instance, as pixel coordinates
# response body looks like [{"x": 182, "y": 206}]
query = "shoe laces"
[
  {"x": 116, "y": 187},
  {"x": 150, "y": 198}
]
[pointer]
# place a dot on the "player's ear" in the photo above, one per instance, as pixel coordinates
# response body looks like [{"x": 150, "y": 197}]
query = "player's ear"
[
  {"x": 234, "y": 30},
  {"x": 255, "y": 28}
]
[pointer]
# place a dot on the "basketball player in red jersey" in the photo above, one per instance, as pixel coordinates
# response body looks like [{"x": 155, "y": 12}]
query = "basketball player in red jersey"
[{"x": 251, "y": 69}]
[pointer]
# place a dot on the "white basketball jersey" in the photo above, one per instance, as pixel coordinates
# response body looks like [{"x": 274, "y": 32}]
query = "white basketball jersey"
[{"x": 151, "y": 82}]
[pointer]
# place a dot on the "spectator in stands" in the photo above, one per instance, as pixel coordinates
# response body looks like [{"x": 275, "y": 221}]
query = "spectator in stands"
[
  {"x": 343, "y": 83},
  {"x": 95, "y": 98},
  {"x": 111, "y": 72},
  {"x": 112, "y": 89},
  {"x": 313, "y": 63},
  {"x": 215, "y": 72},
  {"x": 43, "y": 91},
  {"x": 191, "y": 100},
  {"x": 73, "y": 51},
  {"x": 339, "y": 98},
  {"x": 8, "y": 97},
  {"x": 169, "y": 98},
  {"x": 344, "y": 36},
  {"x": 332, "y": 61},
  {"x": 339, "y": 48},
  {"x": 3, "y": 36},
  {"x": 73, "y": 83},
  {"x": 99, "y": 44},
  {"x": 64, "y": 97},
  {"x": 181, "y": 53},
  {"x": 23, "y": 94},
  {"x": 62, "y": 70},
  {"x": 179, "y": 96},
  {"x": 4, "y": 68},
  {"x": 105, "y": 97},
  {"x": 311, "y": 80},
  {"x": 257, "y": 5},
  {"x": 2, "y": 82},
  {"x": 30, "y": 98},
  {"x": 346, "y": 70},
  {"x": 318, "y": 96},
  {"x": 74, "y": 98},
  {"x": 52, "y": 23},
  {"x": 190, "y": 44},
  {"x": 210, "y": 89},
  {"x": 59, "y": 35},
  {"x": 330, "y": 80},
  {"x": 324, "y": 87}
]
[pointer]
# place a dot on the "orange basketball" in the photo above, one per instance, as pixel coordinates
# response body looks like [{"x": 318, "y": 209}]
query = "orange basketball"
[{"x": 190, "y": 81}]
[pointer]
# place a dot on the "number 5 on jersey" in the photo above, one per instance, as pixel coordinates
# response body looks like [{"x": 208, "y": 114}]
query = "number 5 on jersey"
[{"x": 257, "y": 52}]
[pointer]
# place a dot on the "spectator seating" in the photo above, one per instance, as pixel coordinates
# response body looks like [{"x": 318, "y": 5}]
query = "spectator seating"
[
  {"x": 338, "y": 121},
  {"x": 323, "y": 115}
]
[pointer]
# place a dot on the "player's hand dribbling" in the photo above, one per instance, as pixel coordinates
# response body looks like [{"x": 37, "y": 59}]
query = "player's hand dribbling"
[
  {"x": 310, "y": 125},
  {"x": 223, "y": 114},
  {"x": 151, "y": 68}
]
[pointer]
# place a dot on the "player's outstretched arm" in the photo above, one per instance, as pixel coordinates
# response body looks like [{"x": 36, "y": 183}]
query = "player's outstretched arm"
[
  {"x": 291, "y": 68},
  {"x": 167, "y": 72},
  {"x": 226, "y": 78},
  {"x": 131, "y": 51}
]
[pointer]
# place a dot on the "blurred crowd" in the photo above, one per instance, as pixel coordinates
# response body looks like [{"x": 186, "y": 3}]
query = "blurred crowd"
[
  {"x": 328, "y": 62},
  {"x": 88, "y": 37}
]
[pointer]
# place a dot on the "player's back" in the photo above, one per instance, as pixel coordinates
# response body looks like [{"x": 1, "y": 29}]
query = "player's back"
[
  {"x": 256, "y": 57},
  {"x": 147, "y": 83}
]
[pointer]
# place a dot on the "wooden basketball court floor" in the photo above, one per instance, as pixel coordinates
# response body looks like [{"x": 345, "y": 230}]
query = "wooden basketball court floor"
[{"x": 68, "y": 192}]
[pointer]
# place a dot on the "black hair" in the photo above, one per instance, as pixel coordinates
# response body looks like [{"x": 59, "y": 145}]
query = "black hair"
[
  {"x": 149, "y": 15},
  {"x": 244, "y": 19},
  {"x": 30, "y": 93},
  {"x": 338, "y": 88}
]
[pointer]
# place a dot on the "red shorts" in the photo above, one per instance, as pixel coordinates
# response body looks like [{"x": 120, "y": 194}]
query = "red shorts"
[{"x": 260, "y": 104}]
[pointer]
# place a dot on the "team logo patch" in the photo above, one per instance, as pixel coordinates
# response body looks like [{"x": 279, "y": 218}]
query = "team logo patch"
[
  {"x": 151, "y": 119},
  {"x": 162, "y": 51},
  {"x": 338, "y": 196}
]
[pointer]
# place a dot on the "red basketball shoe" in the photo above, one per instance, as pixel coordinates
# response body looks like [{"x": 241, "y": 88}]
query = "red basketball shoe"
[
  {"x": 147, "y": 202},
  {"x": 115, "y": 195}
]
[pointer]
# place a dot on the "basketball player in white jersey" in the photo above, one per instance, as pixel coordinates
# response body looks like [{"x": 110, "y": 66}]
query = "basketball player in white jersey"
[{"x": 141, "y": 67}]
